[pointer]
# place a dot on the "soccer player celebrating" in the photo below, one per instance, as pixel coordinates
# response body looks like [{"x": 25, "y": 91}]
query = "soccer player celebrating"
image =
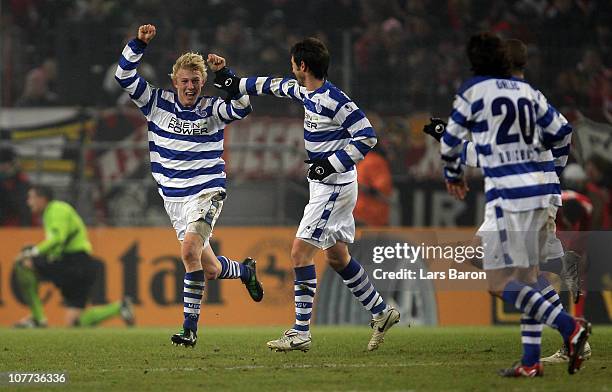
[
  {"x": 499, "y": 115},
  {"x": 566, "y": 265},
  {"x": 64, "y": 258},
  {"x": 186, "y": 145},
  {"x": 337, "y": 135}
]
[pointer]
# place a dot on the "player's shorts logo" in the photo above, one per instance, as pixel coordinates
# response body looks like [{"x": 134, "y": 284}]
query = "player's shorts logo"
[{"x": 319, "y": 170}]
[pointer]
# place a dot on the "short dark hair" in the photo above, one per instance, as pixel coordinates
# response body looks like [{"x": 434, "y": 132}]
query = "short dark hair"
[
  {"x": 488, "y": 56},
  {"x": 314, "y": 54},
  {"x": 517, "y": 54},
  {"x": 43, "y": 191}
]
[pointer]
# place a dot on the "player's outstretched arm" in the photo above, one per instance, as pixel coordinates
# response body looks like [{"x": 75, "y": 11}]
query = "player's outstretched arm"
[
  {"x": 126, "y": 74},
  {"x": 236, "y": 106},
  {"x": 260, "y": 85}
]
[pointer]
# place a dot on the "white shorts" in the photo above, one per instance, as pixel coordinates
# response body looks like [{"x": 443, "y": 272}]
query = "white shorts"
[
  {"x": 554, "y": 247},
  {"x": 516, "y": 239},
  {"x": 328, "y": 216},
  {"x": 207, "y": 207}
]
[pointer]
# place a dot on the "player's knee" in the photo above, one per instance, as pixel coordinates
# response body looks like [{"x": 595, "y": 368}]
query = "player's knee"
[
  {"x": 190, "y": 254},
  {"x": 211, "y": 272},
  {"x": 299, "y": 258},
  {"x": 337, "y": 262},
  {"x": 200, "y": 227},
  {"x": 338, "y": 256}
]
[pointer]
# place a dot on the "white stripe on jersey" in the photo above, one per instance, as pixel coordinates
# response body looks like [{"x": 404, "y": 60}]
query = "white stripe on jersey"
[
  {"x": 185, "y": 143},
  {"x": 188, "y": 182},
  {"x": 181, "y": 145},
  {"x": 183, "y": 165},
  {"x": 333, "y": 145}
]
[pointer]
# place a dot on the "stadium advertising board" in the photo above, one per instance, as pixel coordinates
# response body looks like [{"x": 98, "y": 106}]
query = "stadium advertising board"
[
  {"x": 423, "y": 272},
  {"x": 145, "y": 264}
]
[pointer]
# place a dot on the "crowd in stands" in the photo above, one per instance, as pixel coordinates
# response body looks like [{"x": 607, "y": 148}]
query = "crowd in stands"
[
  {"x": 405, "y": 56},
  {"x": 394, "y": 57}
]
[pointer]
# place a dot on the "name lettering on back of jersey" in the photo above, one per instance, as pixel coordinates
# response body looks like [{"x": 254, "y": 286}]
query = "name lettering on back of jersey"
[
  {"x": 184, "y": 127},
  {"x": 507, "y": 85},
  {"x": 520, "y": 155}
]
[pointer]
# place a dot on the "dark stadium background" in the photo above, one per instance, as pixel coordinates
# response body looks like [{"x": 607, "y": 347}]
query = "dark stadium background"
[{"x": 68, "y": 125}]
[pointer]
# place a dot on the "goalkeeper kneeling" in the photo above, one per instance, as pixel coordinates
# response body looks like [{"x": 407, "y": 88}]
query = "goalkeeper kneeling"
[{"x": 63, "y": 258}]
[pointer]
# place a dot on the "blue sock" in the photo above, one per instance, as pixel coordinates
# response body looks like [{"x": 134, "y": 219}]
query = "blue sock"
[
  {"x": 193, "y": 289},
  {"x": 530, "y": 302},
  {"x": 231, "y": 269},
  {"x": 548, "y": 291},
  {"x": 531, "y": 337},
  {"x": 305, "y": 286},
  {"x": 356, "y": 279}
]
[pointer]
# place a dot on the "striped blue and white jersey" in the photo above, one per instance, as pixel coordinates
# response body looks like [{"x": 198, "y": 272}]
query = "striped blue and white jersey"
[
  {"x": 185, "y": 143},
  {"x": 334, "y": 127},
  {"x": 558, "y": 155},
  {"x": 519, "y": 139}
]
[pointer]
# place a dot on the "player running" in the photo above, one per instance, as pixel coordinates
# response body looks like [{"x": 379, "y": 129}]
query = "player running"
[
  {"x": 186, "y": 145},
  {"x": 337, "y": 135},
  {"x": 499, "y": 114},
  {"x": 566, "y": 265}
]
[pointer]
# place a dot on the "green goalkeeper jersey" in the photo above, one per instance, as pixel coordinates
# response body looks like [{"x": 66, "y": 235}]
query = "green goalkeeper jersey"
[{"x": 65, "y": 231}]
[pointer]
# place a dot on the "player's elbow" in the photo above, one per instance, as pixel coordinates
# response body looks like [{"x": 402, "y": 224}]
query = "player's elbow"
[
  {"x": 247, "y": 110},
  {"x": 238, "y": 113},
  {"x": 373, "y": 141}
]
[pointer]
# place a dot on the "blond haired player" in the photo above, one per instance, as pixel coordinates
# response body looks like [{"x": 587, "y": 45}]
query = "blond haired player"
[{"x": 186, "y": 147}]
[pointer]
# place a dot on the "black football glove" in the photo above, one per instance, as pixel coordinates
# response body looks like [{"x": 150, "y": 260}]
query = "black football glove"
[
  {"x": 227, "y": 81},
  {"x": 435, "y": 128},
  {"x": 319, "y": 169}
]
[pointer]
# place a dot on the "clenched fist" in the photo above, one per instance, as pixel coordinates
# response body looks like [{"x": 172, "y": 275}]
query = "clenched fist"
[
  {"x": 215, "y": 62},
  {"x": 146, "y": 33}
]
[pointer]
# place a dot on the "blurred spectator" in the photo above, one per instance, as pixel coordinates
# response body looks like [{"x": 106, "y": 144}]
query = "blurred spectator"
[
  {"x": 598, "y": 171},
  {"x": 375, "y": 187},
  {"x": 37, "y": 88},
  {"x": 404, "y": 52},
  {"x": 577, "y": 210},
  {"x": 113, "y": 89},
  {"x": 14, "y": 187}
]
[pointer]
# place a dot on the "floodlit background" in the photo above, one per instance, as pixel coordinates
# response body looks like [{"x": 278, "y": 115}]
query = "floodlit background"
[
  {"x": 64, "y": 122},
  {"x": 401, "y": 61}
]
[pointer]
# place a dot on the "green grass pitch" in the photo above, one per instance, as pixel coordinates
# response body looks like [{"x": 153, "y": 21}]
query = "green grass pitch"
[{"x": 411, "y": 359}]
